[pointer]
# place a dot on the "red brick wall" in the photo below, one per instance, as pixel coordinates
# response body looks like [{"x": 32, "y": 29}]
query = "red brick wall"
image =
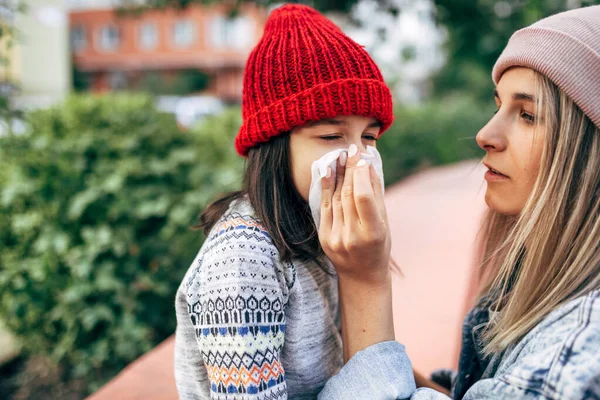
[{"x": 224, "y": 64}]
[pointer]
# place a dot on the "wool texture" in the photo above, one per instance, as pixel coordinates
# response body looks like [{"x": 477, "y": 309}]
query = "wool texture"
[
  {"x": 565, "y": 47},
  {"x": 306, "y": 69},
  {"x": 251, "y": 327}
]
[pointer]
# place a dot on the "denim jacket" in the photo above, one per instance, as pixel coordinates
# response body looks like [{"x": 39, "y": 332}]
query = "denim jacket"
[{"x": 558, "y": 359}]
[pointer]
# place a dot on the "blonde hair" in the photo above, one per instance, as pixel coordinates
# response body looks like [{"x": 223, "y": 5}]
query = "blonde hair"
[{"x": 549, "y": 253}]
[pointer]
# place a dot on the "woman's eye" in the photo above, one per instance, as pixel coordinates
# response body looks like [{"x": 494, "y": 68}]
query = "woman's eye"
[
  {"x": 330, "y": 138},
  {"x": 370, "y": 137},
  {"x": 527, "y": 117}
]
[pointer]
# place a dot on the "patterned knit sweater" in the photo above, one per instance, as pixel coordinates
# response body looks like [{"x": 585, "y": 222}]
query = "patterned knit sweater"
[{"x": 250, "y": 326}]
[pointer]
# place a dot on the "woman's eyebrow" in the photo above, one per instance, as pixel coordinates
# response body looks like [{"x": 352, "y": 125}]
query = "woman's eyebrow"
[
  {"x": 523, "y": 96},
  {"x": 517, "y": 96}
]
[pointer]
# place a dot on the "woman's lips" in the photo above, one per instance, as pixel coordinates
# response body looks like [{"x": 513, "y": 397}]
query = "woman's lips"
[{"x": 493, "y": 175}]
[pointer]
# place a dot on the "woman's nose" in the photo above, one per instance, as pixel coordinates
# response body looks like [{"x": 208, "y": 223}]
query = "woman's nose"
[{"x": 491, "y": 136}]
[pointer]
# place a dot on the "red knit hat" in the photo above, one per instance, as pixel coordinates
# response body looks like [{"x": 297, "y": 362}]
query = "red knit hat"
[{"x": 306, "y": 69}]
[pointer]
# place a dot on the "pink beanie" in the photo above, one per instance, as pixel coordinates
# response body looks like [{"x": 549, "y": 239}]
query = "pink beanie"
[{"x": 565, "y": 48}]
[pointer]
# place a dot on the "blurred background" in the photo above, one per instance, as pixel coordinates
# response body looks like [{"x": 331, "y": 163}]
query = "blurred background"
[{"x": 117, "y": 121}]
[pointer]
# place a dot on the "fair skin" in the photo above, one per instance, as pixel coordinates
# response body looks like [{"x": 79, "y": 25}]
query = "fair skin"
[
  {"x": 354, "y": 230},
  {"x": 312, "y": 141},
  {"x": 512, "y": 142}
]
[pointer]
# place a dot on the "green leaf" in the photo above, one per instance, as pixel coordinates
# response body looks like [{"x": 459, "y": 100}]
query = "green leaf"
[
  {"x": 81, "y": 201},
  {"x": 96, "y": 200}
]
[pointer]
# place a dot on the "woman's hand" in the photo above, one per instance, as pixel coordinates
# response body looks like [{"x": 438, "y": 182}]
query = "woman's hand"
[
  {"x": 354, "y": 230},
  {"x": 354, "y": 234}
]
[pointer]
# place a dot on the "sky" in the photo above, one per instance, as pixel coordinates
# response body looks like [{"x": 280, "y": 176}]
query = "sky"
[{"x": 411, "y": 33}]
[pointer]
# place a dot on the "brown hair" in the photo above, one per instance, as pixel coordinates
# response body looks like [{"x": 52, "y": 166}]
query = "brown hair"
[{"x": 270, "y": 188}]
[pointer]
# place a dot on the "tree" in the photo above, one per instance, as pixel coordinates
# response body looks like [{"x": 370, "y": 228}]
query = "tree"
[
  {"x": 478, "y": 32},
  {"x": 8, "y": 35}
]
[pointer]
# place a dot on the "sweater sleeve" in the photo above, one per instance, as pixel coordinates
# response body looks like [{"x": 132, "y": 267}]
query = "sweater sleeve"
[
  {"x": 190, "y": 373},
  {"x": 381, "y": 371},
  {"x": 236, "y": 301},
  {"x": 556, "y": 360}
]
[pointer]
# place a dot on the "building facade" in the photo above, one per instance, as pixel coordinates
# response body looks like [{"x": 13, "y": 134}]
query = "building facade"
[
  {"x": 37, "y": 63},
  {"x": 200, "y": 49}
]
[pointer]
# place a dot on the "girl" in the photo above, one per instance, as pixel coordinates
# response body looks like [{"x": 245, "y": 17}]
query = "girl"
[
  {"x": 535, "y": 332},
  {"x": 257, "y": 311}
]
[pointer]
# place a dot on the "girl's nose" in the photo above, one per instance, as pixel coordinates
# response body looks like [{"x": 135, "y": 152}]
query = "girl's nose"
[{"x": 362, "y": 147}]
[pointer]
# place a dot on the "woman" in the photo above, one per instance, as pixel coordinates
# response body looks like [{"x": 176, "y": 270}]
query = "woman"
[{"x": 535, "y": 331}]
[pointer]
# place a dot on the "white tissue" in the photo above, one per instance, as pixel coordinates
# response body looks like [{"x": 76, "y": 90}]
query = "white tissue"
[{"x": 319, "y": 170}]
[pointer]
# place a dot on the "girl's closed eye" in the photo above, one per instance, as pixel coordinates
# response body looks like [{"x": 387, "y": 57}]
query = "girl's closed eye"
[
  {"x": 369, "y": 137},
  {"x": 330, "y": 137}
]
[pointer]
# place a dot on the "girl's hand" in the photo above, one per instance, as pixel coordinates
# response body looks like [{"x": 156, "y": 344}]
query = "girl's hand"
[
  {"x": 354, "y": 230},
  {"x": 355, "y": 236}
]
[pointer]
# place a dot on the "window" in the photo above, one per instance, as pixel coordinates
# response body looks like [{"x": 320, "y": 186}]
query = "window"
[
  {"x": 184, "y": 33},
  {"x": 95, "y": 4},
  {"x": 117, "y": 80},
  {"x": 148, "y": 36},
  {"x": 109, "y": 38},
  {"x": 78, "y": 39},
  {"x": 231, "y": 32}
]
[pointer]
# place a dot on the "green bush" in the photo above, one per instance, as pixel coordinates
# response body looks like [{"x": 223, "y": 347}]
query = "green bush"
[
  {"x": 435, "y": 133},
  {"x": 96, "y": 201},
  {"x": 96, "y": 204}
]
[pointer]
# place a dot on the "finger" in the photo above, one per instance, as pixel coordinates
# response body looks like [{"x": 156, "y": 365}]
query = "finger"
[
  {"x": 338, "y": 214},
  {"x": 328, "y": 187},
  {"x": 367, "y": 207},
  {"x": 341, "y": 169},
  {"x": 378, "y": 190},
  {"x": 348, "y": 185}
]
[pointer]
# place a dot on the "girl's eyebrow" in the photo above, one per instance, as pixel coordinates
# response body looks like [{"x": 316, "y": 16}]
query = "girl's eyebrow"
[
  {"x": 338, "y": 122},
  {"x": 328, "y": 121}
]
